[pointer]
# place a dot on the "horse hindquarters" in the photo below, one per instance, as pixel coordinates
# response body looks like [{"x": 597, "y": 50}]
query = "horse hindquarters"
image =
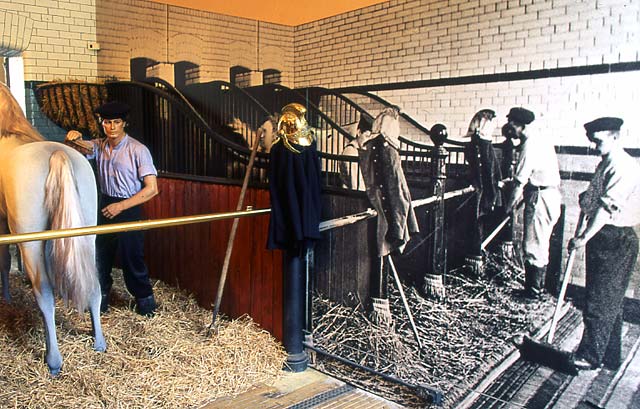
[{"x": 72, "y": 266}]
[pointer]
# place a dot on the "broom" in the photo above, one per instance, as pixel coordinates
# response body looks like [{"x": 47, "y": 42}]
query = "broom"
[{"x": 545, "y": 353}]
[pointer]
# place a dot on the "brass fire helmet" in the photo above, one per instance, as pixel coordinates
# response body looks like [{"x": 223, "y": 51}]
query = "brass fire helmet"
[{"x": 293, "y": 127}]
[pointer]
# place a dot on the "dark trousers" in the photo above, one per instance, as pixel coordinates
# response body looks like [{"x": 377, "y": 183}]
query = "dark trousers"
[
  {"x": 129, "y": 246},
  {"x": 610, "y": 257}
]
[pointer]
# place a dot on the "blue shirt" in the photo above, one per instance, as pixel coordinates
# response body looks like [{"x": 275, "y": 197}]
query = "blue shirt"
[{"x": 121, "y": 169}]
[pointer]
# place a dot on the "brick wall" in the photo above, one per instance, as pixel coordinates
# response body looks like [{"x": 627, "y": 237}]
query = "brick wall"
[
  {"x": 411, "y": 40},
  {"x": 128, "y": 29},
  {"x": 562, "y": 104},
  {"x": 61, "y": 32}
]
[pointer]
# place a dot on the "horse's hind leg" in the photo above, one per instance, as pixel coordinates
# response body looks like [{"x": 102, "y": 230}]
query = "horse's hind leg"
[
  {"x": 94, "y": 309},
  {"x": 33, "y": 263},
  {"x": 5, "y": 263}
]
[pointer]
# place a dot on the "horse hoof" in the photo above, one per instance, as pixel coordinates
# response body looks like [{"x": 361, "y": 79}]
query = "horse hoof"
[
  {"x": 54, "y": 372},
  {"x": 101, "y": 347}
]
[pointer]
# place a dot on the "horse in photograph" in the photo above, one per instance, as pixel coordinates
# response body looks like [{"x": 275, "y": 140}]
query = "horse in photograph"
[{"x": 47, "y": 185}]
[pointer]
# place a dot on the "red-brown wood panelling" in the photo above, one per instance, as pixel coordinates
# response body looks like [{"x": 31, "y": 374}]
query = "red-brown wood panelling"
[{"x": 190, "y": 257}]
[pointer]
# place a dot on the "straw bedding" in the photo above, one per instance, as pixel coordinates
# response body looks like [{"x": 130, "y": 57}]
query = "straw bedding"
[
  {"x": 167, "y": 361},
  {"x": 463, "y": 336}
]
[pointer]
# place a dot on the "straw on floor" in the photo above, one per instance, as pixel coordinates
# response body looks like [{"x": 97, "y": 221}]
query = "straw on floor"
[
  {"x": 463, "y": 336},
  {"x": 163, "y": 362}
]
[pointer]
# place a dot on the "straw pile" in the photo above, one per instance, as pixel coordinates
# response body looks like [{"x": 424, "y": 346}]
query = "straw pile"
[
  {"x": 463, "y": 337},
  {"x": 163, "y": 362}
]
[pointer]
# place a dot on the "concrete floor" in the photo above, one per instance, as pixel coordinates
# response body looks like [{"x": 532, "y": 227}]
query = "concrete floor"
[{"x": 308, "y": 389}]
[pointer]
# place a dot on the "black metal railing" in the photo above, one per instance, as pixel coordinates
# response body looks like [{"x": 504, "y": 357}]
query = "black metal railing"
[
  {"x": 343, "y": 111},
  {"x": 410, "y": 129},
  {"x": 230, "y": 110},
  {"x": 331, "y": 135},
  {"x": 181, "y": 141}
]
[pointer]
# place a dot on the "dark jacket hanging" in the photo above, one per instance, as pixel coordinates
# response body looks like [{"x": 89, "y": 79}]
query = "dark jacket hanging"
[
  {"x": 388, "y": 193},
  {"x": 294, "y": 187},
  {"x": 485, "y": 174}
]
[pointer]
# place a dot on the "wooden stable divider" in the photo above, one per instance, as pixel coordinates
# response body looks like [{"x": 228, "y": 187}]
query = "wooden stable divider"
[{"x": 190, "y": 257}]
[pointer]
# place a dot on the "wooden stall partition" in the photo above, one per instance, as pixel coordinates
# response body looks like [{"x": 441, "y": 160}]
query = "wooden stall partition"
[
  {"x": 343, "y": 258},
  {"x": 190, "y": 257}
]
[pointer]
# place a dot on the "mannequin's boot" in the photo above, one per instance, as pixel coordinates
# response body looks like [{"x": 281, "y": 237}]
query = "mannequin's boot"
[{"x": 146, "y": 306}]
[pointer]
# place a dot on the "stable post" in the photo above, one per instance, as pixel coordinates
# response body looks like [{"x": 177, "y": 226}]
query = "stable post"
[
  {"x": 436, "y": 250},
  {"x": 294, "y": 311}
]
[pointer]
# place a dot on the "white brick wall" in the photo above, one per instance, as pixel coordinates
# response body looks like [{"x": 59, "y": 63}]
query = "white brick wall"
[
  {"x": 562, "y": 105},
  {"x": 412, "y": 40},
  {"x": 58, "y": 48},
  {"x": 452, "y": 36}
]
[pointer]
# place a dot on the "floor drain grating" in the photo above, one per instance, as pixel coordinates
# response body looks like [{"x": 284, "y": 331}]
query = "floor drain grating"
[{"x": 322, "y": 397}]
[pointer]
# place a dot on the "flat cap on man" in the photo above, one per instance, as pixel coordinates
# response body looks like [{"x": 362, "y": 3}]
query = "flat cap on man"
[
  {"x": 113, "y": 110},
  {"x": 521, "y": 115},
  {"x": 603, "y": 124}
]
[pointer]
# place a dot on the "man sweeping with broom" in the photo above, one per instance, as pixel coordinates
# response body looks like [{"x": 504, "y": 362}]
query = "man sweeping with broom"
[{"x": 610, "y": 205}]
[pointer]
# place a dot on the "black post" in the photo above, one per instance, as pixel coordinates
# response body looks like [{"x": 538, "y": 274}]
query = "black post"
[
  {"x": 436, "y": 251},
  {"x": 294, "y": 311}
]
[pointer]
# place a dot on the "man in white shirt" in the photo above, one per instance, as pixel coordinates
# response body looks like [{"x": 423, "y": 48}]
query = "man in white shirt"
[{"x": 537, "y": 176}]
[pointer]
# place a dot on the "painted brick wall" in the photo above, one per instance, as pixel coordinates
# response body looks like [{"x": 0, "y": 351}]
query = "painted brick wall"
[
  {"x": 412, "y": 40},
  {"x": 59, "y": 42},
  {"x": 406, "y": 40},
  {"x": 128, "y": 29}
]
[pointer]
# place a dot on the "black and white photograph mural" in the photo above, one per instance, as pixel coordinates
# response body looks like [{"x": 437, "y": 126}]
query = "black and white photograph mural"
[{"x": 362, "y": 203}]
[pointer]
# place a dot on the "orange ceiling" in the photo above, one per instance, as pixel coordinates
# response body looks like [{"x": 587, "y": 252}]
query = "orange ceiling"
[{"x": 291, "y": 13}]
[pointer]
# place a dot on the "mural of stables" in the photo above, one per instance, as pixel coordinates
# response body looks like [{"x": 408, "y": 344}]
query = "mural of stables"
[
  {"x": 200, "y": 170},
  {"x": 217, "y": 148}
]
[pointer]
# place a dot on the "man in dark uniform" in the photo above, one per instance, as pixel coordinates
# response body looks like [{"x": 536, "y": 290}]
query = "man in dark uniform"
[
  {"x": 537, "y": 177},
  {"x": 485, "y": 174},
  {"x": 127, "y": 179},
  {"x": 610, "y": 206}
]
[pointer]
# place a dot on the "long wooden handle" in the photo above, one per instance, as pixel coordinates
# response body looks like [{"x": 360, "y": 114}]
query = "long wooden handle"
[
  {"x": 404, "y": 301},
  {"x": 565, "y": 284},
  {"x": 499, "y": 227},
  {"x": 563, "y": 290},
  {"x": 232, "y": 235}
]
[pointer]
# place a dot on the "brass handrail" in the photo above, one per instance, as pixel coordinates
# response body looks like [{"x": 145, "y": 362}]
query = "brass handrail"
[
  {"x": 179, "y": 221},
  {"x": 128, "y": 226}
]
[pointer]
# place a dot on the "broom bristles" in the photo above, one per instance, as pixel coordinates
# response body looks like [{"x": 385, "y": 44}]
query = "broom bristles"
[{"x": 547, "y": 355}]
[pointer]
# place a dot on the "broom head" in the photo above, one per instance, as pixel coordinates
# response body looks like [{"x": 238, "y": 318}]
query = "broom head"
[{"x": 547, "y": 355}]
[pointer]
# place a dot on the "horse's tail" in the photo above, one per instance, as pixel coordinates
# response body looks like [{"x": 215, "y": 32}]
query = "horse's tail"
[{"x": 73, "y": 267}]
